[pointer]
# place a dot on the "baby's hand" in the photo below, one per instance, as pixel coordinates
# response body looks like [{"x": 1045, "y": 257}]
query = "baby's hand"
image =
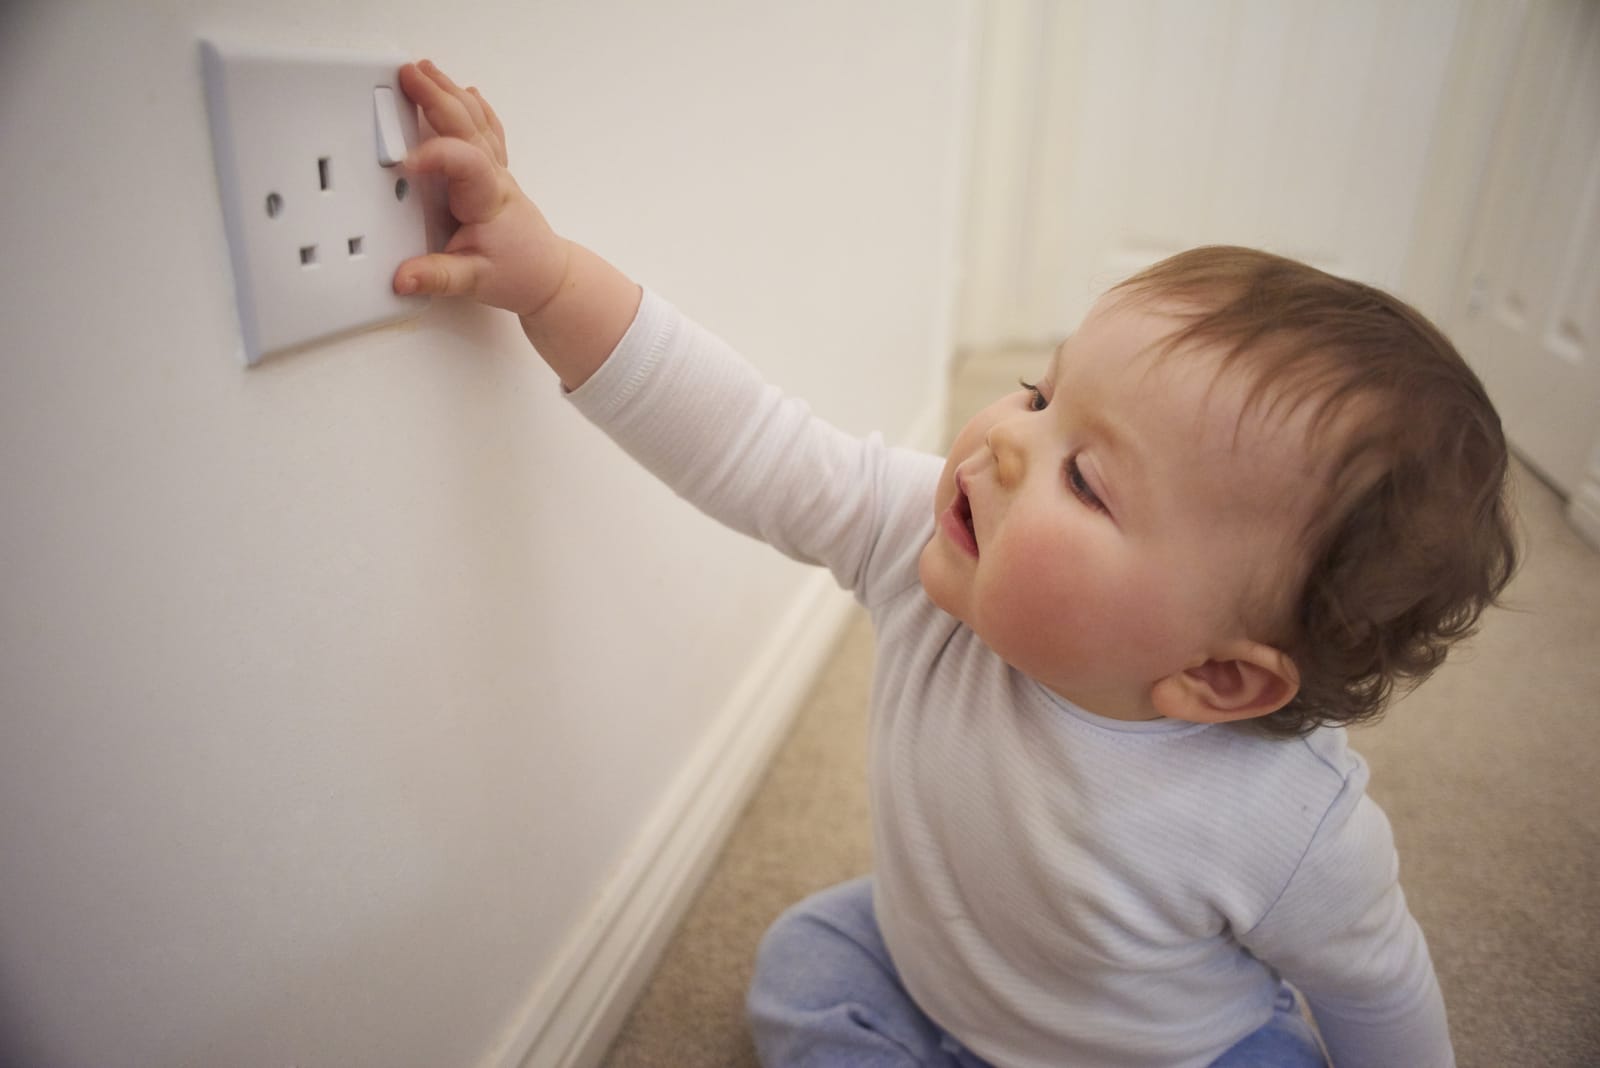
[{"x": 504, "y": 253}]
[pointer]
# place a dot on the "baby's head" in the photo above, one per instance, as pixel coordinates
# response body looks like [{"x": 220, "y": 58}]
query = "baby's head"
[{"x": 1244, "y": 490}]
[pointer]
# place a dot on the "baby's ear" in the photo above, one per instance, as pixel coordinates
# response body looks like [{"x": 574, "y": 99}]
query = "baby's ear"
[{"x": 1244, "y": 680}]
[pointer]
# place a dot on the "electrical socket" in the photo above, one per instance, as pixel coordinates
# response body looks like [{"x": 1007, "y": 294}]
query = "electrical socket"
[{"x": 317, "y": 215}]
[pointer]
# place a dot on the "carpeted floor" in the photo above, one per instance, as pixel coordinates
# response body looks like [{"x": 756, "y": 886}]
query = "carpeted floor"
[{"x": 1490, "y": 774}]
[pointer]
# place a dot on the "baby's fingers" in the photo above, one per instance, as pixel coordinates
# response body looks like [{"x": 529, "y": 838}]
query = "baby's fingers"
[
  {"x": 440, "y": 273},
  {"x": 450, "y": 111},
  {"x": 498, "y": 130},
  {"x": 476, "y": 190},
  {"x": 470, "y": 98}
]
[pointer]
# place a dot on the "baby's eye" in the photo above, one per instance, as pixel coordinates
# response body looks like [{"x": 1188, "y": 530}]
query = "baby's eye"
[
  {"x": 1080, "y": 486},
  {"x": 1037, "y": 401}
]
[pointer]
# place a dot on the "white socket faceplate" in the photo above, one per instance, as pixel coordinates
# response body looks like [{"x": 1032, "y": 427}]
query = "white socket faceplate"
[{"x": 316, "y": 222}]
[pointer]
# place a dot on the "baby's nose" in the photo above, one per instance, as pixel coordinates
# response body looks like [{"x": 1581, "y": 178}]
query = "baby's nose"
[{"x": 1004, "y": 442}]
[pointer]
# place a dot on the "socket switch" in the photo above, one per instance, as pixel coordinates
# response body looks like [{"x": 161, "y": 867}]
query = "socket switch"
[{"x": 317, "y": 215}]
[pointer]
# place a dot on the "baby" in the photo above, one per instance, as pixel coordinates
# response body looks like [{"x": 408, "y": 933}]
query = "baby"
[{"x": 1114, "y": 813}]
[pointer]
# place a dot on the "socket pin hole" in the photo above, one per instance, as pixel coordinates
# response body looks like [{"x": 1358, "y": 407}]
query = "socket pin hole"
[
  {"x": 308, "y": 255},
  {"x": 355, "y": 246},
  {"x": 324, "y": 173},
  {"x": 274, "y": 205},
  {"x": 401, "y": 188}
]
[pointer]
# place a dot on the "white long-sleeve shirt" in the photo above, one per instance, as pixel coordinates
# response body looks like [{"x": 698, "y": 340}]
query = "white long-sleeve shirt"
[{"x": 1055, "y": 887}]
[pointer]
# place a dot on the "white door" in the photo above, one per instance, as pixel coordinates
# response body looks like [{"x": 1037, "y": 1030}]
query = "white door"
[
  {"x": 1527, "y": 314},
  {"x": 1113, "y": 133}
]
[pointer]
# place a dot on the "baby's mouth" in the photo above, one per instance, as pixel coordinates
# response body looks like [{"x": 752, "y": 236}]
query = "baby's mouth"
[{"x": 957, "y": 521}]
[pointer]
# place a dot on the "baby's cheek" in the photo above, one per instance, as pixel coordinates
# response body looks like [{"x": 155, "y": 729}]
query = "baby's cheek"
[
  {"x": 1037, "y": 596},
  {"x": 1149, "y": 636},
  {"x": 1080, "y": 603}
]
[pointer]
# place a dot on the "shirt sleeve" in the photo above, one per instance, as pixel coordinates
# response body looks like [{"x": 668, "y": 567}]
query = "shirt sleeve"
[
  {"x": 1342, "y": 934},
  {"x": 681, "y": 402}
]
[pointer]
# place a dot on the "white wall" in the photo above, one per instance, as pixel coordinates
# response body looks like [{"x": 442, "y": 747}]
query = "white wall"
[
  {"x": 1112, "y": 134},
  {"x": 337, "y": 693}
]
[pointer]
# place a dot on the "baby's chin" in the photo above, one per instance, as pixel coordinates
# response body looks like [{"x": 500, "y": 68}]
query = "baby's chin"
[{"x": 934, "y": 589}]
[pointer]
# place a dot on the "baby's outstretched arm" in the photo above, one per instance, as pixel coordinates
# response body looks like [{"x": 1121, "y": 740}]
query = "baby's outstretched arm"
[
  {"x": 574, "y": 305},
  {"x": 682, "y": 402}
]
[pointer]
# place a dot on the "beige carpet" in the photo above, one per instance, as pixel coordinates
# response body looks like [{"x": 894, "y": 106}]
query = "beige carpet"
[{"x": 1490, "y": 773}]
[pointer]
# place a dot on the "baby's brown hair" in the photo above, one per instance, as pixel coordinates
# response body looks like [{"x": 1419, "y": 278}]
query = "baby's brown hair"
[{"x": 1415, "y": 537}]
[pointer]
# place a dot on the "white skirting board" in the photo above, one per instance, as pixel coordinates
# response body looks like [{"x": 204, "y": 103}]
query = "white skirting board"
[
  {"x": 1583, "y": 510},
  {"x": 573, "y": 1016}
]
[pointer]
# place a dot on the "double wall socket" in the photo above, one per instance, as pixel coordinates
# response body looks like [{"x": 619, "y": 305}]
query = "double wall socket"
[{"x": 317, "y": 214}]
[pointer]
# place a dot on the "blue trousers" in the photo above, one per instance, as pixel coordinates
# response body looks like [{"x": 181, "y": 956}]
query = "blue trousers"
[{"x": 826, "y": 995}]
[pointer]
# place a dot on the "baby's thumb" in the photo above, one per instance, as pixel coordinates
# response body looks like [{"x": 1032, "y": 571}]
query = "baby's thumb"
[{"x": 443, "y": 273}]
